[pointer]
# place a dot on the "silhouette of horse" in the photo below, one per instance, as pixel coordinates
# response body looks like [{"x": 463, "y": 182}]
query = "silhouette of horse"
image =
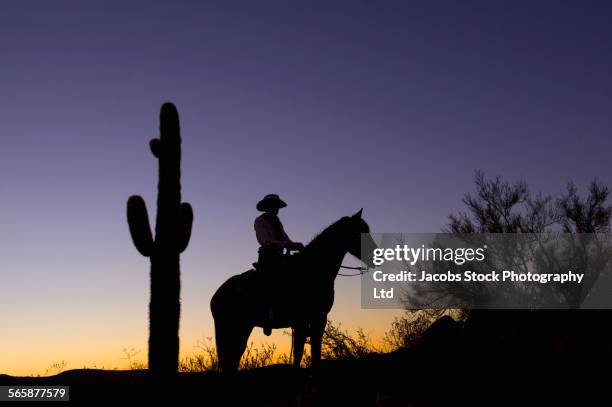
[{"x": 302, "y": 294}]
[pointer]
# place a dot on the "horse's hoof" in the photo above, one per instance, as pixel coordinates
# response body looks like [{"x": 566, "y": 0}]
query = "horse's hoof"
[{"x": 267, "y": 331}]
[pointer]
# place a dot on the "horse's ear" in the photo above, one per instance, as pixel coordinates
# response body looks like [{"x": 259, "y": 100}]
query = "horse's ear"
[{"x": 358, "y": 214}]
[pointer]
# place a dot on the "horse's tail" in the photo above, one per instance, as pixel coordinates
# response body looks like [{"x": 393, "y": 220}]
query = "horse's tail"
[
  {"x": 223, "y": 296},
  {"x": 219, "y": 310},
  {"x": 230, "y": 334},
  {"x": 215, "y": 301}
]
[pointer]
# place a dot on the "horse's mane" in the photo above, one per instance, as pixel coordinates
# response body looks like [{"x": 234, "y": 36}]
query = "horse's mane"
[{"x": 327, "y": 235}]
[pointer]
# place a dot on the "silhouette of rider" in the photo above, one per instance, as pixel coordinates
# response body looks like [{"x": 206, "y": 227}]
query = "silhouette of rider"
[{"x": 273, "y": 241}]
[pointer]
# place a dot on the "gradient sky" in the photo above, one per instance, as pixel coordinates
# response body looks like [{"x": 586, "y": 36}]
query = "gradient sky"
[{"x": 390, "y": 106}]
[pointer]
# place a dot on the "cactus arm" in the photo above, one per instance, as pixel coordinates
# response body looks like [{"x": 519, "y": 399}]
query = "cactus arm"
[
  {"x": 185, "y": 223},
  {"x": 155, "y": 146},
  {"x": 138, "y": 220}
]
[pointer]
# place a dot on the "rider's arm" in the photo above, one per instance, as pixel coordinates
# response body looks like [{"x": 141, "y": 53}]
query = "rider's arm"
[
  {"x": 285, "y": 236},
  {"x": 290, "y": 244}
]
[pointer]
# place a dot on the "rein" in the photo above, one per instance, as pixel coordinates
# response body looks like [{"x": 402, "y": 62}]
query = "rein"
[{"x": 362, "y": 270}]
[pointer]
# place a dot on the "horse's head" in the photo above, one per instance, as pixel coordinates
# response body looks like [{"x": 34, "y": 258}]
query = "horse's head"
[{"x": 360, "y": 243}]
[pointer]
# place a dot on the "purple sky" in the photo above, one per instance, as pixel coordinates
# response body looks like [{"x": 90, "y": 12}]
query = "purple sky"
[{"x": 390, "y": 106}]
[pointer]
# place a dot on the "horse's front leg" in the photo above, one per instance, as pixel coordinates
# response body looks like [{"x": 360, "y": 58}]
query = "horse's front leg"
[
  {"x": 299, "y": 339},
  {"x": 316, "y": 339}
]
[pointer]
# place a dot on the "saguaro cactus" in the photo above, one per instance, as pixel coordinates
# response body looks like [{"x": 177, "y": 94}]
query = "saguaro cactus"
[{"x": 172, "y": 233}]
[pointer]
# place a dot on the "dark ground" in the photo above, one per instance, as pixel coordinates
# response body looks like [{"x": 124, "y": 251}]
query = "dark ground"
[{"x": 510, "y": 363}]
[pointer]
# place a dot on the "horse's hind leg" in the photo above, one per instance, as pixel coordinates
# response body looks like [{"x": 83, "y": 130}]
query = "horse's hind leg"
[
  {"x": 242, "y": 333},
  {"x": 299, "y": 339}
]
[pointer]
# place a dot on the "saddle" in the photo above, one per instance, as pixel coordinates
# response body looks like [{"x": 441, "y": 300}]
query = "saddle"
[{"x": 283, "y": 261}]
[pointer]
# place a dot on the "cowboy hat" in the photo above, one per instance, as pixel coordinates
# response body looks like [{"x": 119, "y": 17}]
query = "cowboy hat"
[{"x": 270, "y": 201}]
